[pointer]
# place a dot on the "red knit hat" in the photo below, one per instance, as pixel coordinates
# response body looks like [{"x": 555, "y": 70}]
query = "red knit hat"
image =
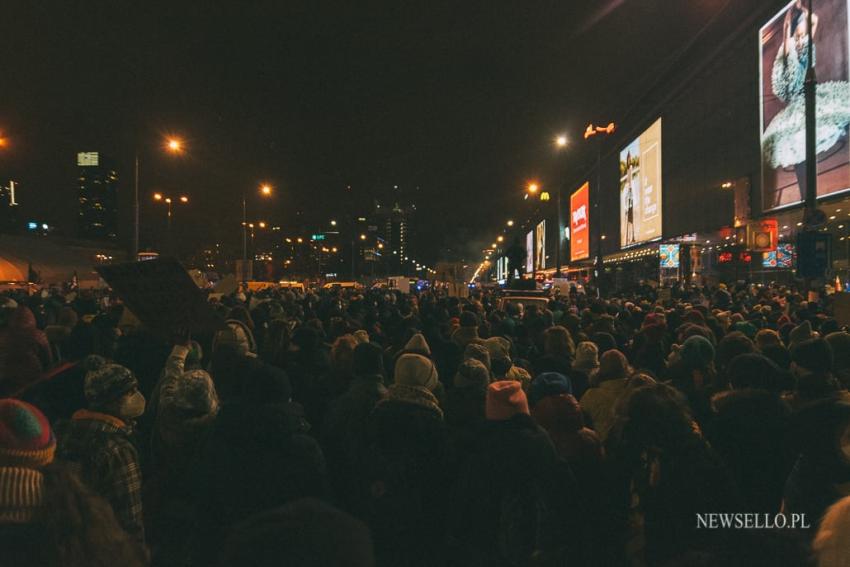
[
  {"x": 505, "y": 399},
  {"x": 26, "y": 439}
]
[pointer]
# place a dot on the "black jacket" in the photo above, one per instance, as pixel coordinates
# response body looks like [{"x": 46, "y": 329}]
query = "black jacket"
[
  {"x": 406, "y": 479},
  {"x": 513, "y": 498}
]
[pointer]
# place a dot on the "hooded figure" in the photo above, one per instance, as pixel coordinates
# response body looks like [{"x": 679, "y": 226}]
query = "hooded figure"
[
  {"x": 501, "y": 364},
  {"x": 612, "y": 381},
  {"x": 24, "y": 353}
]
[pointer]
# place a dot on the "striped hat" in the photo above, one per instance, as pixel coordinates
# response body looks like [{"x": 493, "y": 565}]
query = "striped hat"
[
  {"x": 26, "y": 439},
  {"x": 26, "y": 445}
]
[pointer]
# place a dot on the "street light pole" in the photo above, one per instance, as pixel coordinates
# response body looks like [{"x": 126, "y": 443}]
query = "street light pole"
[
  {"x": 135, "y": 245},
  {"x": 810, "y": 91},
  {"x": 244, "y": 229}
]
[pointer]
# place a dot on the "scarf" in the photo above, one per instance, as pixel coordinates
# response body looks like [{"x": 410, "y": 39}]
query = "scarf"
[{"x": 413, "y": 395}]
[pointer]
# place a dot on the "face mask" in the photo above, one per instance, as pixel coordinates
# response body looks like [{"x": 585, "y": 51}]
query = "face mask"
[{"x": 133, "y": 406}]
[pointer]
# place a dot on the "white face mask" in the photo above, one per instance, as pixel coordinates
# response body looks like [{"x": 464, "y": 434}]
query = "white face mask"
[{"x": 132, "y": 406}]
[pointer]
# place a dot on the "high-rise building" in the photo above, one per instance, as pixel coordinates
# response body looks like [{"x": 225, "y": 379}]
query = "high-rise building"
[
  {"x": 9, "y": 208},
  {"x": 394, "y": 227},
  {"x": 97, "y": 186}
]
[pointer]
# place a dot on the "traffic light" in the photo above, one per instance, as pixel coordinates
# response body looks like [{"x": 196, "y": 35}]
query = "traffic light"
[{"x": 814, "y": 253}]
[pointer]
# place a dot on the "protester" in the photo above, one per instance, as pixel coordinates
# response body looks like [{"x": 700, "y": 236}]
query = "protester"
[
  {"x": 100, "y": 439},
  {"x": 599, "y": 401}
]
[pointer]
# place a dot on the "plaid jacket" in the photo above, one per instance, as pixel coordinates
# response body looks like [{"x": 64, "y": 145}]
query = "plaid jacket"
[{"x": 109, "y": 463}]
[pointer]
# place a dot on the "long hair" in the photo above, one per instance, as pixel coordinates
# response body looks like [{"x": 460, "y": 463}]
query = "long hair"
[
  {"x": 557, "y": 340},
  {"x": 75, "y": 528}
]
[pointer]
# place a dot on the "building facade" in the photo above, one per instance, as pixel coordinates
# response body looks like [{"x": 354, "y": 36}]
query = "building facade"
[{"x": 97, "y": 193}]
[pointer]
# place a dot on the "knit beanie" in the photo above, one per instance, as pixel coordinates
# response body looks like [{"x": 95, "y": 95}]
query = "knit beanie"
[
  {"x": 587, "y": 355},
  {"x": 697, "y": 352},
  {"x": 505, "y": 399},
  {"x": 26, "y": 445},
  {"x": 418, "y": 344},
  {"x": 368, "y": 360},
  {"x": 108, "y": 383},
  {"x": 26, "y": 439},
  {"x": 548, "y": 384},
  {"x": 478, "y": 352},
  {"x": 472, "y": 374},
  {"x": 362, "y": 336},
  {"x": 415, "y": 370}
]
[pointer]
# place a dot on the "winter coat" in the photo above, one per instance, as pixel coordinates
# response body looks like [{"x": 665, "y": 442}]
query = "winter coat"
[
  {"x": 821, "y": 474},
  {"x": 256, "y": 458},
  {"x": 109, "y": 463},
  {"x": 512, "y": 498},
  {"x": 345, "y": 434},
  {"x": 749, "y": 434},
  {"x": 406, "y": 479}
]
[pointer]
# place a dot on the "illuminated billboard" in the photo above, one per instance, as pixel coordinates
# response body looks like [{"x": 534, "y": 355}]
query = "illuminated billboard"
[
  {"x": 783, "y": 60},
  {"x": 640, "y": 188},
  {"x": 668, "y": 255},
  {"x": 580, "y": 223},
  {"x": 88, "y": 159},
  {"x": 540, "y": 240},
  {"x": 529, "y": 250}
]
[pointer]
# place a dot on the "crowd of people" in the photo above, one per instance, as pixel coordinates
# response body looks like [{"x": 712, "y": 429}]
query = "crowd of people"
[{"x": 375, "y": 428}]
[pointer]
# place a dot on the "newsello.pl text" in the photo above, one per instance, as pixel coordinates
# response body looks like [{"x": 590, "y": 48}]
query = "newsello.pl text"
[{"x": 751, "y": 521}]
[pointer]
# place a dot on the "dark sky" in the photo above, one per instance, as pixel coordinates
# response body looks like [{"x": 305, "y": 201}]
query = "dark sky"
[{"x": 460, "y": 99}]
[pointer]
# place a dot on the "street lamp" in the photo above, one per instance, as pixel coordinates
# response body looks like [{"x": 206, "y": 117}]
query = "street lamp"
[
  {"x": 264, "y": 190},
  {"x": 561, "y": 141},
  {"x": 600, "y": 132},
  {"x": 510, "y": 223},
  {"x": 173, "y": 146},
  {"x": 160, "y": 198},
  {"x": 533, "y": 187},
  {"x": 333, "y": 223}
]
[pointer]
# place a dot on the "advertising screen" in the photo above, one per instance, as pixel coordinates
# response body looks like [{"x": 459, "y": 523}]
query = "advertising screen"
[
  {"x": 529, "y": 249},
  {"x": 580, "y": 223},
  {"x": 782, "y": 257},
  {"x": 668, "y": 255},
  {"x": 783, "y": 60},
  {"x": 640, "y": 188},
  {"x": 540, "y": 253}
]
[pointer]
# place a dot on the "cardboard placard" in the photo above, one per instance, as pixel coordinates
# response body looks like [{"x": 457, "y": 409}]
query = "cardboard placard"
[{"x": 162, "y": 295}]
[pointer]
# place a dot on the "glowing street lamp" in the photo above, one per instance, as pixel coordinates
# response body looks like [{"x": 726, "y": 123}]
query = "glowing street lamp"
[
  {"x": 174, "y": 145},
  {"x": 561, "y": 141},
  {"x": 533, "y": 187},
  {"x": 500, "y": 238},
  {"x": 265, "y": 190},
  {"x": 510, "y": 223}
]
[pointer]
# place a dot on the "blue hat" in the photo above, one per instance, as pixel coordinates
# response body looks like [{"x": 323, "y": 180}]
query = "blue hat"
[{"x": 548, "y": 384}]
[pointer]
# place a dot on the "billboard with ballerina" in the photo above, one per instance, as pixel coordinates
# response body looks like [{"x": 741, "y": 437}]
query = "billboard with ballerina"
[{"x": 784, "y": 58}]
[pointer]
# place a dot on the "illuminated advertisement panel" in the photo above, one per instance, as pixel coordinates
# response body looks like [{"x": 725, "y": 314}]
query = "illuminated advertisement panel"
[
  {"x": 540, "y": 253},
  {"x": 640, "y": 188},
  {"x": 783, "y": 62},
  {"x": 580, "y": 223},
  {"x": 529, "y": 249}
]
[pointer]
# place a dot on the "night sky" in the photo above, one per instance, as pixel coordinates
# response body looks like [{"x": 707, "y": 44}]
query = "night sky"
[{"x": 460, "y": 99}]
